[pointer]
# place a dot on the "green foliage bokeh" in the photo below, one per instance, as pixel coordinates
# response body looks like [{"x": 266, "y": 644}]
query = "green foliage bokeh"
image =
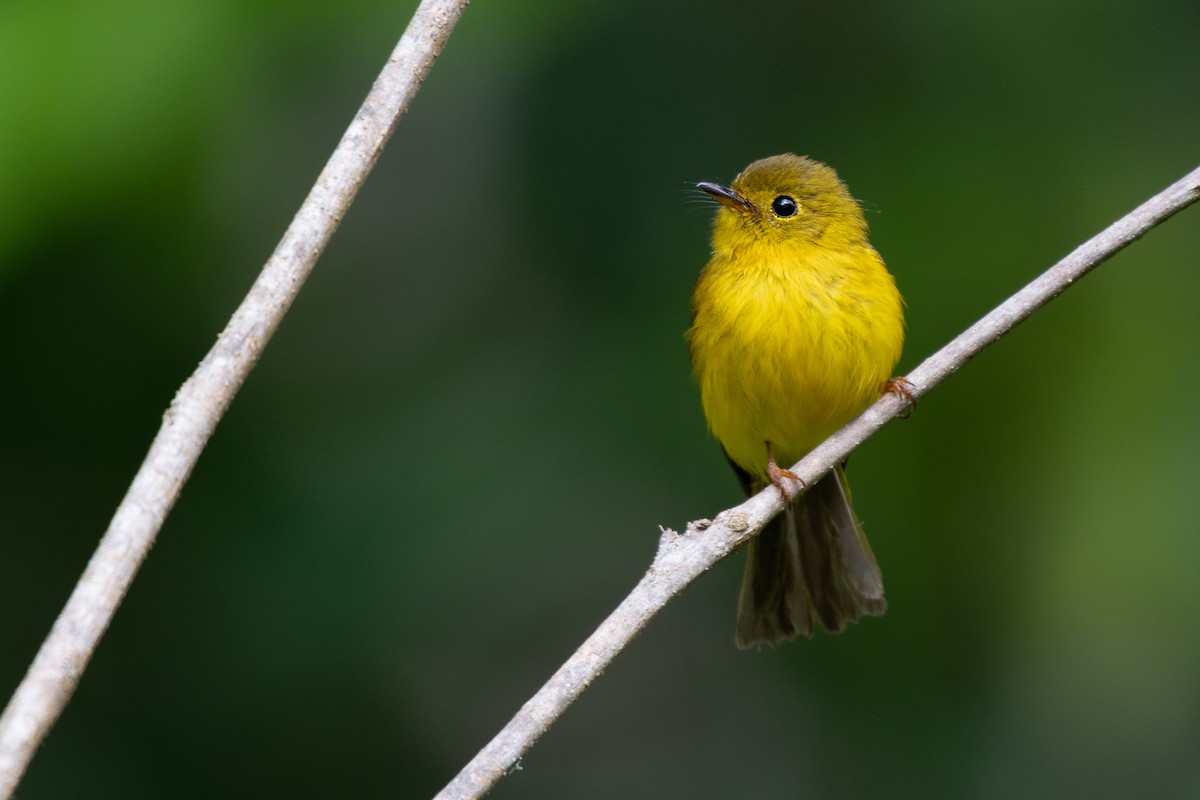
[{"x": 453, "y": 458}]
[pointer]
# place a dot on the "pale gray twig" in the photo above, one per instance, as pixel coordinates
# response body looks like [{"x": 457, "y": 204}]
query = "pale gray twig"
[
  {"x": 203, "y": 399},
  {"x": 681, "y": 558}
]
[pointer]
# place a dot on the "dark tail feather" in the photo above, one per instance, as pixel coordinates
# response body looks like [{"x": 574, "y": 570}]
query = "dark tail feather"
[{"x": 811, "y": 560}]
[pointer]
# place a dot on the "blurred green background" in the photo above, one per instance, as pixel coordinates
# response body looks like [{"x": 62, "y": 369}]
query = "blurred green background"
[{"x": 451, "y": 463}]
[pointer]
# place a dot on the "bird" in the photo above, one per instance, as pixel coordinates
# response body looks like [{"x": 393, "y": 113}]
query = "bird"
[{"x": 796, "y": 328}]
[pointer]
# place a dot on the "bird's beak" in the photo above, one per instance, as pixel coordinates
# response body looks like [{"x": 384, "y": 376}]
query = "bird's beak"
[{"x": 726, "y": 197}]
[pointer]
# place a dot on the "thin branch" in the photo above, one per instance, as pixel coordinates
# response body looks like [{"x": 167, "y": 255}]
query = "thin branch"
[
  {"x": 682, "y": 558},
  {"x": 203, "y": 399}
]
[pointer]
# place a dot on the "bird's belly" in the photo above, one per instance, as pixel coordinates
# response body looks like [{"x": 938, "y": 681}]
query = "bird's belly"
[{"x": 789, "y": 375}]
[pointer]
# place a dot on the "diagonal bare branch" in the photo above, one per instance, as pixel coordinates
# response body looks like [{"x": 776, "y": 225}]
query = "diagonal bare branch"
[
  {"x": 681, "y": 558},
  {"x": 202, "y": 400}
]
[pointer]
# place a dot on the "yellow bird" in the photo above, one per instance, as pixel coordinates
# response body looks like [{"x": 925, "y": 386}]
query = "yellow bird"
[{"x": 796, "y": 327}]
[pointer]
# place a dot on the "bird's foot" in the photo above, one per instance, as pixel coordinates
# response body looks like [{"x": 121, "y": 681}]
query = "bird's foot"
[
  {"x": 777, "y": 474},
  {"x": 902, "y": 387}
]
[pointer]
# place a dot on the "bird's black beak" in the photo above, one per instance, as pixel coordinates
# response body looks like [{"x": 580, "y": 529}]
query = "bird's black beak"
[{"x": 726, "y": 197}]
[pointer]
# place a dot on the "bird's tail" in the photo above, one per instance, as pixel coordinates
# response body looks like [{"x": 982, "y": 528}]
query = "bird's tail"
[{"x": 813, "y": 560}]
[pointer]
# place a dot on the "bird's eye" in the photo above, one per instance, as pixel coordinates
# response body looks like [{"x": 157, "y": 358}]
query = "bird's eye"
[{"x": 784, "y": 206}]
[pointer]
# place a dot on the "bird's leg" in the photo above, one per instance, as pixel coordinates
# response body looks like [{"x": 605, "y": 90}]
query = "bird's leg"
[
  {"x": 776, "y": 474},
  {"x": 901, "y": 386}
]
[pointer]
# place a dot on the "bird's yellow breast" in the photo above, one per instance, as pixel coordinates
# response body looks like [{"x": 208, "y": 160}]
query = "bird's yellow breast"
[{"x": 789, "y": 341}]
